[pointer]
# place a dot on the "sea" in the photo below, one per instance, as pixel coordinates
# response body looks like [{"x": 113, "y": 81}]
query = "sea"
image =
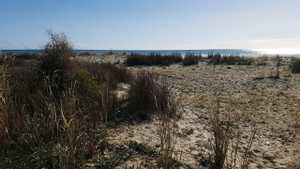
[{"x": 202, "y": 52}]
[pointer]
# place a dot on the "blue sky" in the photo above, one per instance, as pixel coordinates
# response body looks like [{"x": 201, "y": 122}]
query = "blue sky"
[{"x": 152, "y": 24}]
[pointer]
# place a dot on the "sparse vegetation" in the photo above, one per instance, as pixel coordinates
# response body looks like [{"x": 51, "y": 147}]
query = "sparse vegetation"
[
  {"x": 57, "y": 111},
  {"x": 162, "y": 60},
  {"x": 55, "y": 108},
  {"x": 226, "y": 142},
  {"x": 217, "y": 59}
]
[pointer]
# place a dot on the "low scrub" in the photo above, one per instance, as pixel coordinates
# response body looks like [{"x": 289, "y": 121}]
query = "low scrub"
[
  {"x": 54, "y": 110},
  {"x": 152, "y": 59},
  {"x": 191, "y": 60},
  {"x": 228, "y": 60},
  {"x": 148, "y": 96},
  {"x": 107, "y": 72},
  {"x": 51, "y": 111}
]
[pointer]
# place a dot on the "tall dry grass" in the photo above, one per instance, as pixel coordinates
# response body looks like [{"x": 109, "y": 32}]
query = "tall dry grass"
[
  {"x": 4, "y": 119},
  {"x": 141, "y": 95},
  {"x": 227, "y": 139},
  {"x": 166, "y": 106}
]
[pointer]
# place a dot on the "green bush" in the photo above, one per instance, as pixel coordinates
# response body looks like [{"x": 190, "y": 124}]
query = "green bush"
[
  {"x": 105, "y": 72},
  {"x": 87, "y": 82}
]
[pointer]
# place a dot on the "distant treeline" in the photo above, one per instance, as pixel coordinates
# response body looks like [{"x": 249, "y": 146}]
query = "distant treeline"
[{"x": 187, "y": 59}]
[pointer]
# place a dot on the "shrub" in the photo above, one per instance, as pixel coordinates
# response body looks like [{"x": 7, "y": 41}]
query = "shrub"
[
  {"x": 86, "y": 54},
  {"x": 147, "y": 96},
  {"x": 55, "y": 60},
  {"x": 97, "y": 85},
  {"x": 153, "y": 59},
  {"x": 141, "y": 100},
  {"x": 27, "y": 56},
  {"x": 277, "y": 65},
  {"x": 12, "y": 60},
  {"x": 228, "y": 60},
  {"x": 56, "y": 131},
  {"x": 295, "y": 65},
  {"x": 190, "y": 60},
  {"x": 107, "y": 72}
]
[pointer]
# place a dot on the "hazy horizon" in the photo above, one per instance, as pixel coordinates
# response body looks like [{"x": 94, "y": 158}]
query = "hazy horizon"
[{"x": 146, "y": 25}]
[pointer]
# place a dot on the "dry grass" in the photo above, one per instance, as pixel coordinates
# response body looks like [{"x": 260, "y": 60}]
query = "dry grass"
[
  {"x": 167, "y": 108},
  {"x": 3, "y": 103},
  {"x": 41, "y": 113},
  {"x": 144, "y": 94},
  {"x": 226, "y": 142},
  {"x": 141, "y": 95}
]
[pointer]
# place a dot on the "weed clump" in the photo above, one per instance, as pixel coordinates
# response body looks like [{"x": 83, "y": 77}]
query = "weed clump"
[
  {"x": 226, "y": 141},
  {"x": 141, "y": 95},
  {"x": 147, "y": 95}
]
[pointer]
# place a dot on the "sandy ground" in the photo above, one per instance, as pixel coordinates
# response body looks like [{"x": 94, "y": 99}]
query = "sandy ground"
[{"x": 272, "y": 104}]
